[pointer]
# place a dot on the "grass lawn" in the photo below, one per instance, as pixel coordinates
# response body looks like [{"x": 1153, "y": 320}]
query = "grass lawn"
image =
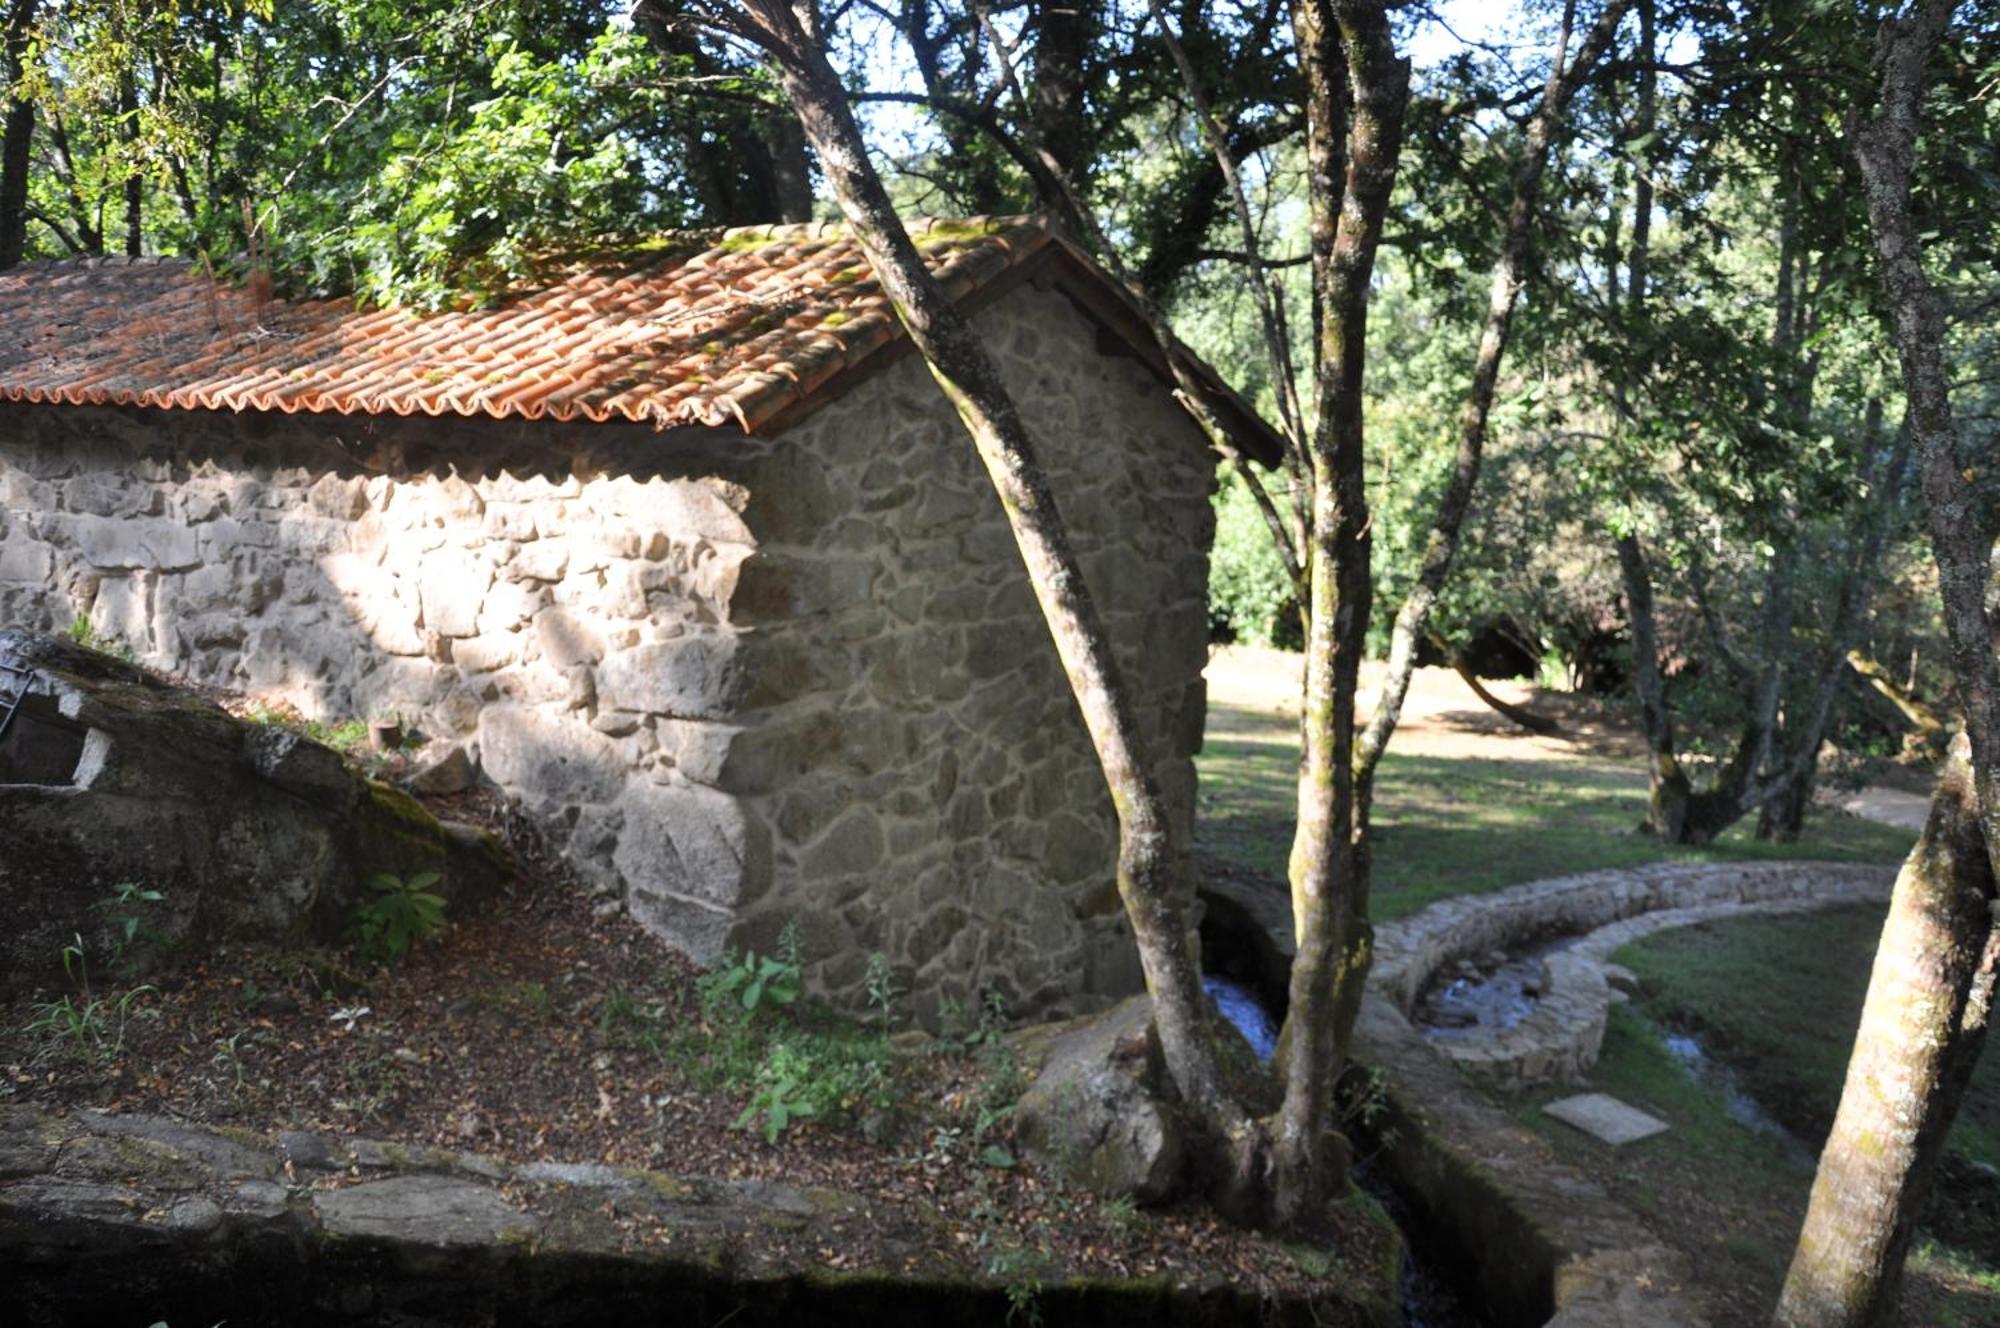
[
  {"x": 1460, "y": 825},
  {"x": 1774, "y": 1002},
  {"x": 1779, "y": 999}
]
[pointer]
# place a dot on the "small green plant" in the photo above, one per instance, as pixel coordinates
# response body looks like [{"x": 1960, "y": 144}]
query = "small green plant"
[
  {"x": 401, "y": 913},
  {"x": 1120, "y": 1213},
  {"x": 971, "y": 1036},
  {"x": 86, "y": 635},
  {"x": 882, "y": 988},
  {"x": 127, "y": 908},
  {"x": 623, "y": 1020},
  {"x": 780, "y": 1100},
  {"x": 1020, "y": 1272},
  {"x": 750, "y": 983},
  {"x": 227, "y": 1060},
  {"x": 1017, "y": 1265},
  {"x": 347, "y": 737},
  {"x": 84, "y": 1022},
  {"x": 809, "y": 1073},
  {"x": 1314, "y": 1263}
]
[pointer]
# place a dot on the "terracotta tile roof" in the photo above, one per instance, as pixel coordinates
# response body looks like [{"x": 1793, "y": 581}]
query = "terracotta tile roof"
[{"x": 741, "y": 326}]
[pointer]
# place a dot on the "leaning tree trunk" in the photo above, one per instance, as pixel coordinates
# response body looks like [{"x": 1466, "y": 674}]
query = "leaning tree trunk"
[
  {"x": 1539, "y": 725},
  {"x": 1152, "y": 877},
  {"x": 1922, "y": 1033},
  {"x": 1922, "y": 1028}
]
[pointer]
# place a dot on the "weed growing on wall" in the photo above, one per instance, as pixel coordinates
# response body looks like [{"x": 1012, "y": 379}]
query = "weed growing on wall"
[{"x": 85, "y": 634}]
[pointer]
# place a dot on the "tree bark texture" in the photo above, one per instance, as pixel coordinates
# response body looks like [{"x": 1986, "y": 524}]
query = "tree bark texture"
[
  {"x": 1356, "y": 93},
  {"x": 1925, "y": 1018},
  {"x": 1922, "y": 1027},
  {"x": 16, "y": 138},
  {"x": 1152, "y": 879},
  {"x": 1504, "y": 293},
  {"x": 1783, "y": 813},
  {"x": 1064, "y": 33},
  {"x": 1886, "y": 150}
]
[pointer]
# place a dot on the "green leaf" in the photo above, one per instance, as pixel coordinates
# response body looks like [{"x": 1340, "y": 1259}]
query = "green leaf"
[{"x": 996, "y": 1156}]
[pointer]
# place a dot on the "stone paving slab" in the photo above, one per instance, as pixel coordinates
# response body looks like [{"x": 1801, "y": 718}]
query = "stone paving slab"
[{"x": 1602, "y": 1116}]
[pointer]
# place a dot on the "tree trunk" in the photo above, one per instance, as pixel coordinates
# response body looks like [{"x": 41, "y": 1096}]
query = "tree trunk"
[
  {"x": 1886, "y": 149},
  {"x": 1064, "y": 32},
  {"x": 791, "y": 167},
  {"x": 1504, "y": 293},
  {"x": 1356, "y": 92},
  {"x": 747, "y": 166},
  {"x": 1152, "y": 878},
  {"x": 134, "y": 186},
  {"x": 16, "y": 138},
  {"x": 1924, "y": 1021},
  {"x": 1668, "y": 789},
  {"x": 1920, "y": 717},
  {"x": 1539, "y": 725},
  {"x": 1922, "y": 1028},
  {"x": 1783, "y": 814}
]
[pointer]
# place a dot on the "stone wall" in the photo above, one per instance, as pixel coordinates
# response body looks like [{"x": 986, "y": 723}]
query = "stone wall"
[
  {"x": 1604, "y": 911},
  {"x": 744, "y": 681}
]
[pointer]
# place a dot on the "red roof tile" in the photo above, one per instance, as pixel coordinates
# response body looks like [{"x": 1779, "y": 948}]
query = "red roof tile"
[
  {"x": 734, "y": 333},
  {"x": 744, "y": 330}
]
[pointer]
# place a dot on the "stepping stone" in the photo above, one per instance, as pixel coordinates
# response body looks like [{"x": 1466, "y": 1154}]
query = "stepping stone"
[{"x": 1604, "y": 1117}]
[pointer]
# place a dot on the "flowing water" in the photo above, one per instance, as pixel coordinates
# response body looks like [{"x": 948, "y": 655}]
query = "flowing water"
[
  {"x": 1736, "y": 1099},
  {"x": 1243, "y": 1009},
  {"x": 1430, "y": 1297}
]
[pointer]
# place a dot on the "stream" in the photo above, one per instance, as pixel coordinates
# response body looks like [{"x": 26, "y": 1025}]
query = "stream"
[
  {"x": 1431, "y": 1298},
  {"x": 1736, "y": 1099}
]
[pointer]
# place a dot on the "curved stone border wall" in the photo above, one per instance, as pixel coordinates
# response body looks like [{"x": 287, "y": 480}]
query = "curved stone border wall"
[
  {"x": 1547, "y": 1245},
  {"x": 1560, "y": 1040}
]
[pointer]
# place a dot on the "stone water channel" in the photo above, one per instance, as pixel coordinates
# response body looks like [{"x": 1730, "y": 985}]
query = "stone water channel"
[
  {"x": 1433, "y": 1295},
  {"x": 1504, "y": 991}
]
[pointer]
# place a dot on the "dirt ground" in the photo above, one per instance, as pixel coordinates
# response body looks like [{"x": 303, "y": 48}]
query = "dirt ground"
[
  {"x": 543, "y": 1029},
  {"x": 1254, "y": 691},
  {"x": 1251, "y": 688}
]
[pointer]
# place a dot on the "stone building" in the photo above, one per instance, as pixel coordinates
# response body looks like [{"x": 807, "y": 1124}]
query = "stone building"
[{"x": 686, "y": 552}]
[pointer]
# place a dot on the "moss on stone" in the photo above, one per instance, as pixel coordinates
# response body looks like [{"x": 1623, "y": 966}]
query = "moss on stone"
[
  {"x": 944, "y": 232},
  {"x": 396, "y": 835}
]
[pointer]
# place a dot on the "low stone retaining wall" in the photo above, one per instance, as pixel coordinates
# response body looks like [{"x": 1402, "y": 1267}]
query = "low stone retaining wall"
[
  {"x": 137, "y": 1219},
  {"x": 1560, "y": 1040}
]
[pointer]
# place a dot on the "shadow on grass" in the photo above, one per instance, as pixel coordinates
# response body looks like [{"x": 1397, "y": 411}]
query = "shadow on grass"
[{"x": 1454, "y": 826}]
